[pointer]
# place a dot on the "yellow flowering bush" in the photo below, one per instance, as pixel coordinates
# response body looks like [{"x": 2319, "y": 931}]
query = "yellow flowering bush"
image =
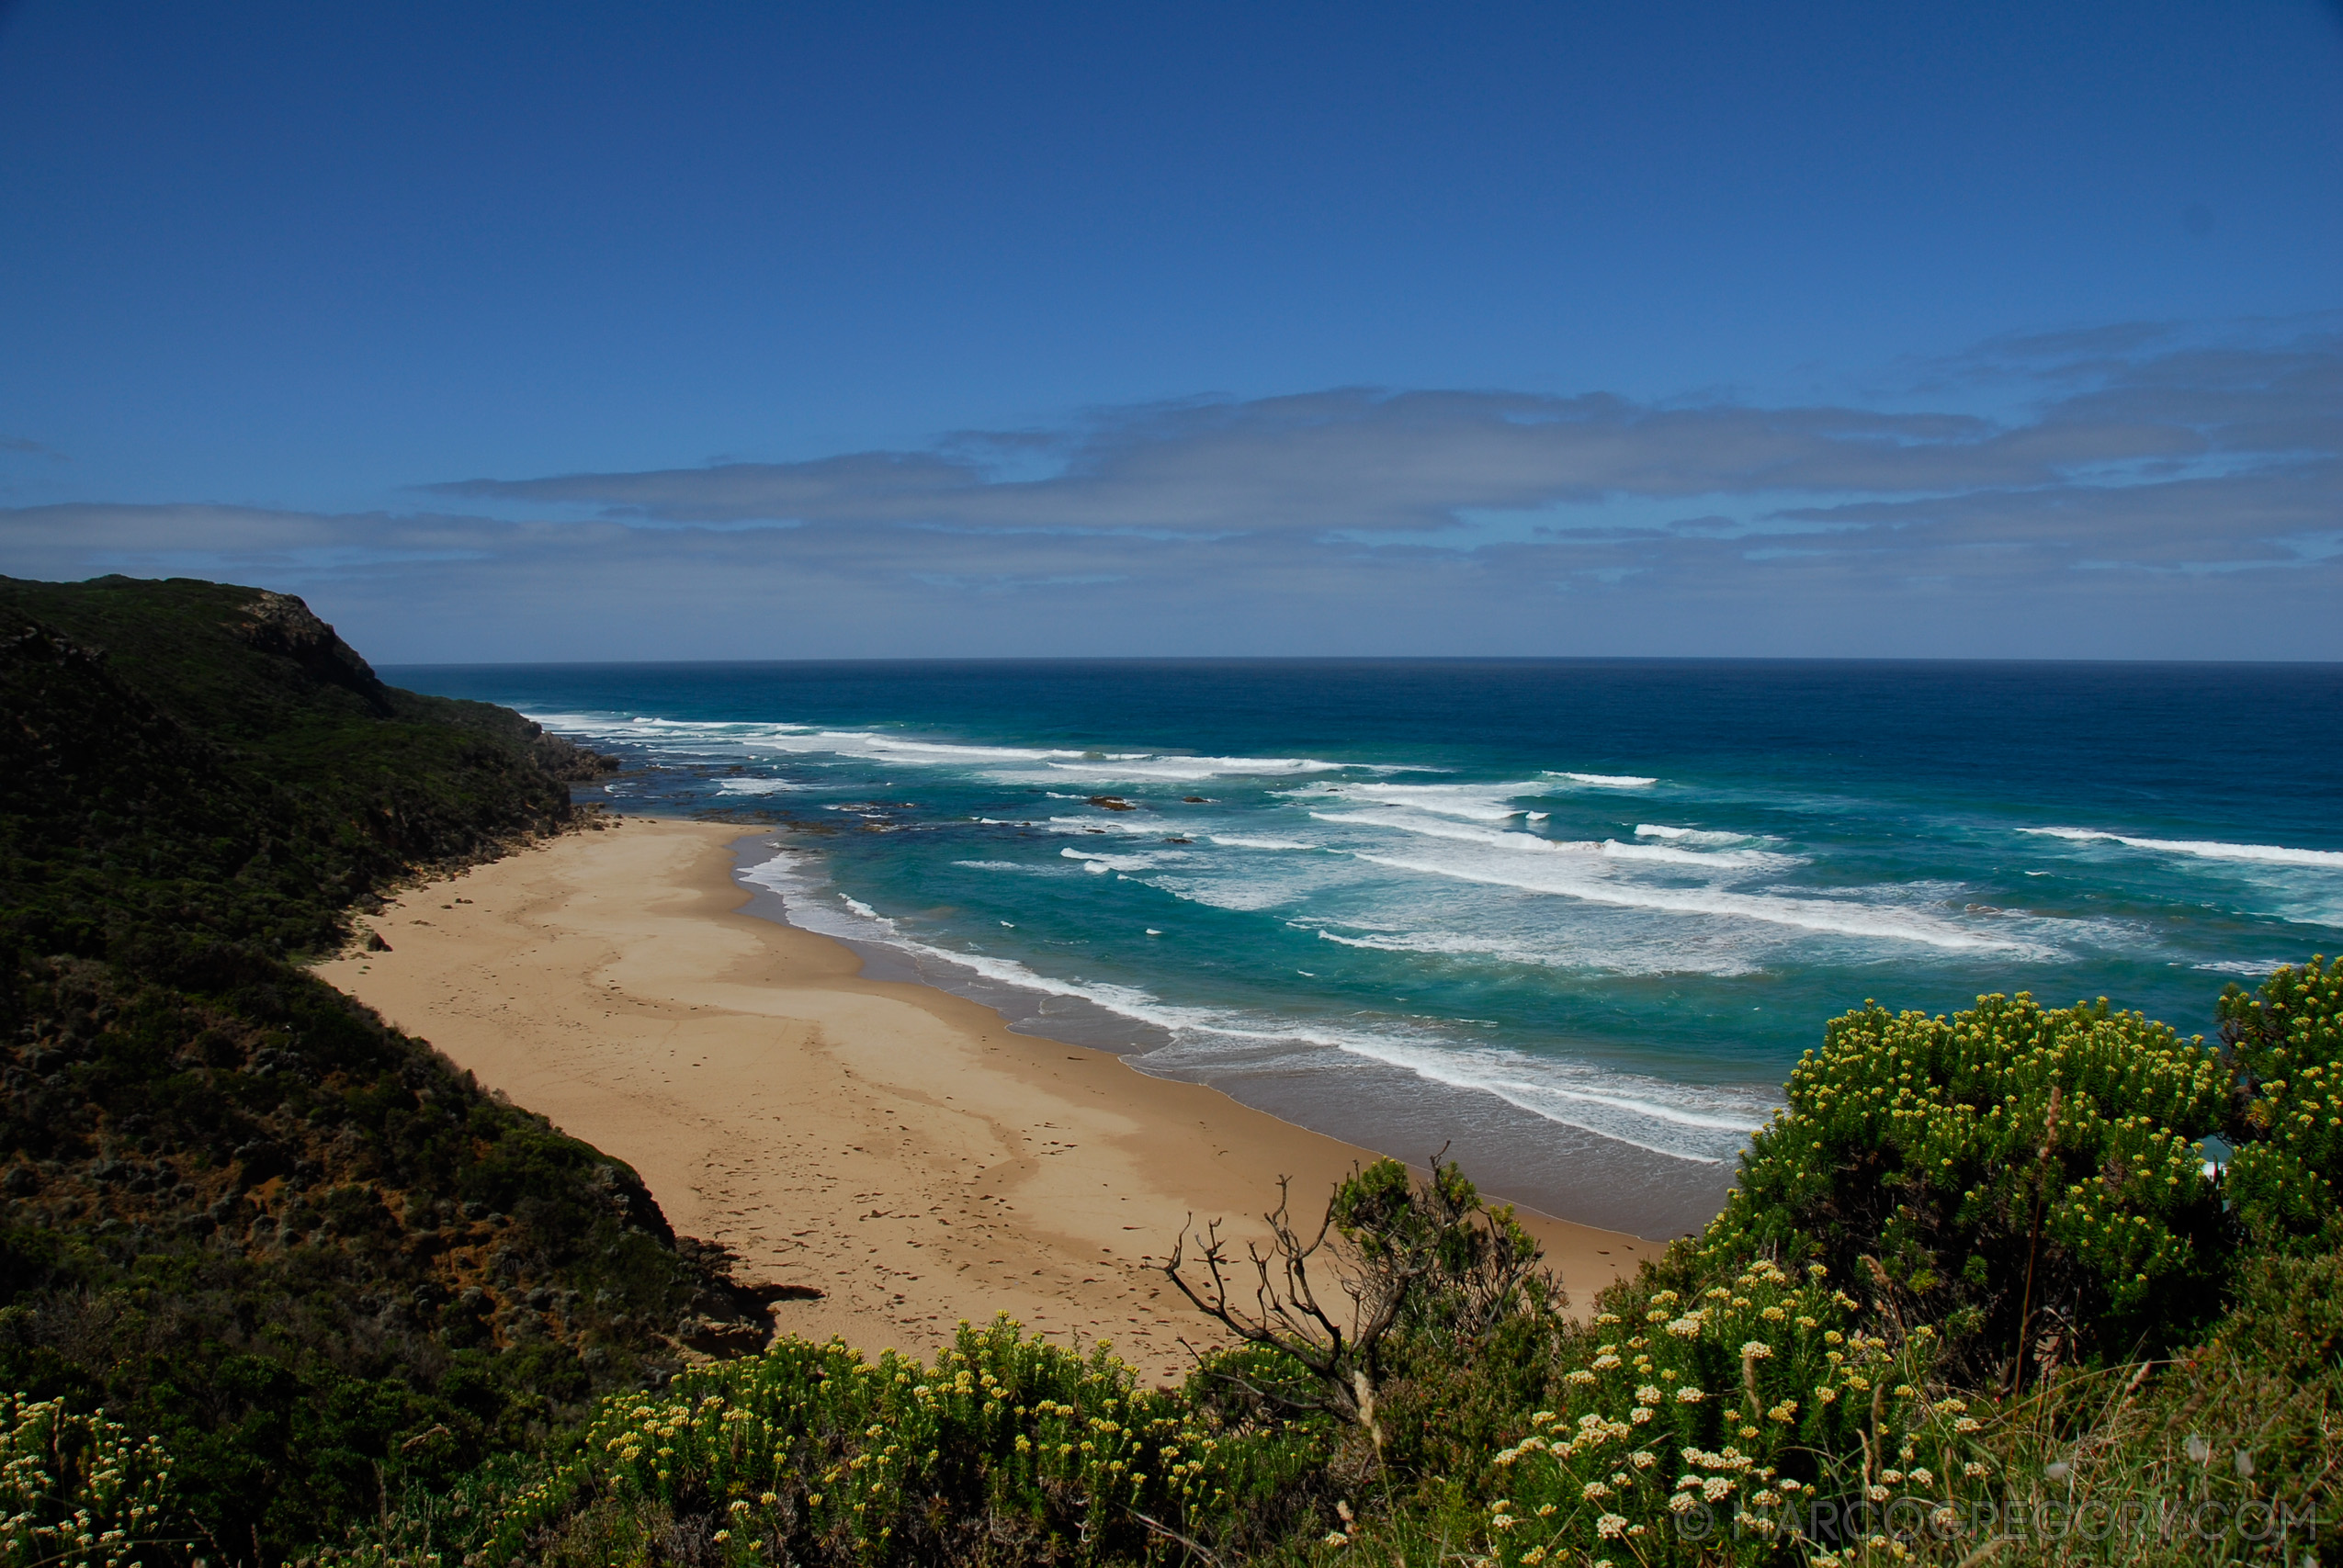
[
  {"x": 2288, "y": 1046},
  {"x": 1698, "y": 1410},
  {"x": 1938, "y": 1309},
  {"x": 75, "y": 1490},
  {"x": 2029, "y": 1177},
  {"x": 2014, "y": 1193},
  {"x": 814, "y": 1454}
]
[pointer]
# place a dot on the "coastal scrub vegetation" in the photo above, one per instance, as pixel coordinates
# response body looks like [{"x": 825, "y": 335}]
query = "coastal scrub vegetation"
[
  {"x": 2019, "y": 1283},
  {"x": 287, "y": 1245},
  {"x": 1979, "y": 1290}
]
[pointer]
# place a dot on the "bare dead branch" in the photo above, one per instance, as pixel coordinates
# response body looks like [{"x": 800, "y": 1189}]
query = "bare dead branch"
[{"x": 1399, "y": 1253}]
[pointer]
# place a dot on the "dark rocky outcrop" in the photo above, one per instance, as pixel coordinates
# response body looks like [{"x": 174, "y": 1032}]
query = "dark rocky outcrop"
[
  {"x": 282, "y": 625},
  {"x": 564, "y": 758}
]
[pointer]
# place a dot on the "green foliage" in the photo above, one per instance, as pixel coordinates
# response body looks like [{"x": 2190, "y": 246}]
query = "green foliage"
[
  {"x": 1739, "y": 1400},
  {"x": 191, "y": 760},
  {"x": 2014, "y": 1172},
  {"x": 1394, "y": 1262},
  {"x": 75, "y": 1491},
  {"x": 1809, "y": 1383},
  {"x": 2227, "y": 1454},
  {"x": 1460, "y": 1265},
  {"x": 1894, "y": 1389},
  {"x": 2287, "y": 1047},
  {"x": 251, "y": 1218},
  {"x": 235, "y": 1208},
  {"x": 1007, "y": 1449},
  {"x": 1455, "y": 1403}
]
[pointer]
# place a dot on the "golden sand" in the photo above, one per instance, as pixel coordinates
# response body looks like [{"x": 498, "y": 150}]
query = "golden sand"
[{"x": 893, "y": 1145}]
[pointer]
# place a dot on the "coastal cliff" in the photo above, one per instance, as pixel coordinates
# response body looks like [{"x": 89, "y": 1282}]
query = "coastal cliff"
[{"x": 236, "y": 1207}]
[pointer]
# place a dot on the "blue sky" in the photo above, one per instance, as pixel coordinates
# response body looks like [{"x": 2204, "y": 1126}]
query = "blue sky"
[{"x": 577, "y": 332}]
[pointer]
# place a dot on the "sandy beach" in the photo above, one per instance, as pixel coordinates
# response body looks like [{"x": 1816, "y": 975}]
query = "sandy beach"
[{"x": 890, "y": 1145}]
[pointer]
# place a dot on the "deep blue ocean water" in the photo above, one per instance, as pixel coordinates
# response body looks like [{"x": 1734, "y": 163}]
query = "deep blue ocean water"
[{"x": 1579, "y": 916}]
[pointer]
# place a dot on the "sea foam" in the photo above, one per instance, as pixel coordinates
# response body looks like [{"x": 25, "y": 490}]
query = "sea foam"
[
  {"x": 1704, "y": 1126},
  {"x": 1698, "y": 838},
  {"x": 1011, "y": 763},
  {"x": 1533, "y": 844},
  {"x": 2202, "y": 849},
  {"x": 1606, "y": 781},
  {"x": 1834, "y": 917},
  {"x": 1477, "y": 803}
]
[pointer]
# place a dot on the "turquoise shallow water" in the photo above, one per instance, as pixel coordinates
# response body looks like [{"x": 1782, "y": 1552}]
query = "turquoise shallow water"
[{"x": 1577, "y": 916}]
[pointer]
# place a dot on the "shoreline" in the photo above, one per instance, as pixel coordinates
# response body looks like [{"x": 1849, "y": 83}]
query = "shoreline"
[
  {"x": 894, "y": 1145},
  {"x": 1512, "y": 1152}
]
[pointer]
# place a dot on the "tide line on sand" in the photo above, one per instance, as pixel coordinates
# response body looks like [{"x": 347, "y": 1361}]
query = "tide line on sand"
[{"x": 890, "y": 1145}]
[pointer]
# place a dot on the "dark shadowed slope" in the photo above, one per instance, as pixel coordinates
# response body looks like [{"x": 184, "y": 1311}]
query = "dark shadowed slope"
[{"x": 236, "y": 1207}]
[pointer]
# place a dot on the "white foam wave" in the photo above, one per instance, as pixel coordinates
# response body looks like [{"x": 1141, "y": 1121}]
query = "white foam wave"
[
  {"x": 1096, "y": 861},
  {"x": 1527, "y": 844},
  {"x": 1702, "y": 1126},
  {"x": 1610, "y": 957},
  {"x": 1240, "y": 894},
  {"x": 1038, "y": 763},
  {"x": 1671, "y": 855},
  {"x": 2202, "y": 849},
  {"x": 1191, "y": 770},
  {"x": 757, "y": 786},
  {"x": 867, "y": 912},
  {"x": 1694, "y": 836},
  {"x": 1130, "y": 824},
  {"x": 992, "y": 865},
  {"x": 1851, "y": 919},
  {"x": 1606, "y": 781},
  {"x": 1243, "y": 841},
  {"x": 792, "y": 876},
  {"x": 1740, "y": 861},
  {"x": 2251, "y": 968},
  {"x": 1474, "y": 803},
  {"x": 1516, "y": 1081}
]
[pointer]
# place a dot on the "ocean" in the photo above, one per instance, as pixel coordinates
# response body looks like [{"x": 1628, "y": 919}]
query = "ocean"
[{"x": 1572, "y": 919}]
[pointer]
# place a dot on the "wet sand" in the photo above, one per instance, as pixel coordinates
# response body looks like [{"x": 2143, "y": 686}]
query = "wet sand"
[{"x": 890, "y": 1145}]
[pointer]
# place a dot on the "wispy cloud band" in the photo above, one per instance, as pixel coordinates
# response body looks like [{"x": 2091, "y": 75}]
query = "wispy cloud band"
[{"x": 2154, "y": 496}]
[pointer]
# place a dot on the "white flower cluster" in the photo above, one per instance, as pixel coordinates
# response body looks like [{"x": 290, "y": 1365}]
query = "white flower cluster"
[{"x": 74, "y": 1490}]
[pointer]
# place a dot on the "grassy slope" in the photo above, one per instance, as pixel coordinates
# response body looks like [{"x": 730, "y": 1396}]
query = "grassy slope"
[{"x": 235, "y": 1206}]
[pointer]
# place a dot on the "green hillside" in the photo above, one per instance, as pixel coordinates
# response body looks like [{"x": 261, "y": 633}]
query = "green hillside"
[{"x": 237, "y": 1209}]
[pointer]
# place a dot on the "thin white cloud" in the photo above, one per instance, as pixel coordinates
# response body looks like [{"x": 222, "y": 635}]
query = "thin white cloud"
[
  {"x": 1368, "y": 461},
  {"x": 2160, "y": 497}
]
